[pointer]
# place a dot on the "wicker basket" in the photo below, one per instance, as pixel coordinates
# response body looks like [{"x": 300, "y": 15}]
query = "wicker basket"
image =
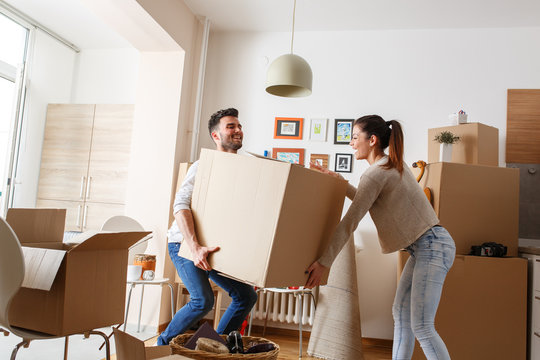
[{"x": 177, "y": 345}]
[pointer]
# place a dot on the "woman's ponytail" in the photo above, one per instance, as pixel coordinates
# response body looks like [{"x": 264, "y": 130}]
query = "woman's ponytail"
[{"x": 395, "y": 147}]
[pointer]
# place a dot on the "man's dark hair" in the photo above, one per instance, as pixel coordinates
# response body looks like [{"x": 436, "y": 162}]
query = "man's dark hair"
[{"x": 213, "y": 123}]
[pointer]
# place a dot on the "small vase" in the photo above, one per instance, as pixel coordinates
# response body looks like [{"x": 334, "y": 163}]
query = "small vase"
[{"x": 445, "y": 153}]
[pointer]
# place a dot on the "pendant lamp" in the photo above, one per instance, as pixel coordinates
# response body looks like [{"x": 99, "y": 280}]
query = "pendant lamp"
[{"x": 289, "y": 75}]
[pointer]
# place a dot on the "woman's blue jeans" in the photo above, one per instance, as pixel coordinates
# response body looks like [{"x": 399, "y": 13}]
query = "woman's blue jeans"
[
  {"x": 202, "y": 298},
  {"x": 418, "y": 294}
]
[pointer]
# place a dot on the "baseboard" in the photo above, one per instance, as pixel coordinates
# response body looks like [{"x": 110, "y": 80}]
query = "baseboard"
[{"x": 385, "y": 343}]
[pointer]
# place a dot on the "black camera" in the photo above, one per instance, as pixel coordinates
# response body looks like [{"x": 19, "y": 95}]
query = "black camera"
[{"x": 490, "y": 249}]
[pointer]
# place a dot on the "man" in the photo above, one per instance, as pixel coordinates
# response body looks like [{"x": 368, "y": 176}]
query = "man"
[{"x": 226, "y": 131}]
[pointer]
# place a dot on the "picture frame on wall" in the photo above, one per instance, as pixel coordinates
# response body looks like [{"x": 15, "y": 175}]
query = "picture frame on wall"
[
  {"x": 317, "y": 129},
  {"x": 319, "y": 159},
  {"x": 343, "y": 163},
  {"x": 343, "y": 131},
  {"x": 290, "y": 155},
  {"x": 288, "y": 128}
]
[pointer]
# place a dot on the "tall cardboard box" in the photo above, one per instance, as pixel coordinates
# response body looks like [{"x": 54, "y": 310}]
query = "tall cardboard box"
[
  {"x": 88, "y": 288},
  {"x": 271, "y": 219},
  {"x": 479, "y": 144},
  {"x": 476, "y": 203},
  {"x": 483, "y": 310}
]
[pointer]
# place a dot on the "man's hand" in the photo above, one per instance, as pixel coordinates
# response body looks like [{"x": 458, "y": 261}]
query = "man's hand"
[
  {"x": 200, "y": 253},
  {"x": 316, "y": 271}
]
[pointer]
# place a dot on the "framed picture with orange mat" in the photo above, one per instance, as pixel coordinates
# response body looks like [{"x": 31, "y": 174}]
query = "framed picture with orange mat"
[{"x": 288, "y": 128}]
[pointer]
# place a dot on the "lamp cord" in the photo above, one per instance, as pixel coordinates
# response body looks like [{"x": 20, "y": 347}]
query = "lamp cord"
[{"x": 293, "y": 16}]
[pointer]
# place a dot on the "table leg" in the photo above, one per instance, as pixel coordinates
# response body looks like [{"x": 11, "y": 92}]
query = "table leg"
[
  {"x": 127, "y": 306},
  {"x": 173, "y": 310},
  {"x": 140, "y": 310}
]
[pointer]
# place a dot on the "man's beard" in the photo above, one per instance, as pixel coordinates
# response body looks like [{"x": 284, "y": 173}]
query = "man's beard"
[{"x": 230, "y": 145}]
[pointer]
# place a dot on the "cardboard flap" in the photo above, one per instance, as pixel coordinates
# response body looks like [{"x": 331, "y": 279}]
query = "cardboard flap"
[
  {"x": 41, "y": 267},
  {"x": 158, "y": 352},
  {"x": 128, "y": 347},
  {"x": 109, "y": 240},
  {"x": 37, "y": 225}
]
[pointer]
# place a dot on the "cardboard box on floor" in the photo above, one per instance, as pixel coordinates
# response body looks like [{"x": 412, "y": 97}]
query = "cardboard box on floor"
[
  {"x": 479, "y": 144},
  {"x": 131, "y": 348},
  {"x": 476, "y": 203},
  {"x": 483, "y": 308},
  {"x": 88, "y": 286},
  {"x": 271, "y": 219}
]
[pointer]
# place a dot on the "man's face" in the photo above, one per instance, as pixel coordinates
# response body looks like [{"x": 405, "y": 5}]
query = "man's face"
[{"x": 229, "y": 135}]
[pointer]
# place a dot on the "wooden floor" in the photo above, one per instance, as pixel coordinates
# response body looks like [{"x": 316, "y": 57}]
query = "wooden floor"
[{"x": 288, "y": 343}]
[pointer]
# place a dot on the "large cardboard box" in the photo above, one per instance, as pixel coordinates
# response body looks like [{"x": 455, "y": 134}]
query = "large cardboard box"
[
  {"x": 130, "y": 348},
  {"x": 479, "y": 144},
  {"x": 271, "y": 219},
  {"x": 476, "y": 203},
  {"x": 87, "y": 287},
  {"x": 483, "y": 310}
]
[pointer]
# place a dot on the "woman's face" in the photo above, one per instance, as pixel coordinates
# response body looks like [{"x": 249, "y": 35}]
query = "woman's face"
[{"x": 360, "y": 143}]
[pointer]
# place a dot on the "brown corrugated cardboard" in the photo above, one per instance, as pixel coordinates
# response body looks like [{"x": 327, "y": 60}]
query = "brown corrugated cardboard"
[
  {"x": 476, "y": 203},
  {"x": 130, "y": 348},
  {"x": 479, "y": 144},
  {"x": 483, "y": 308},
  {"x": 88, "y": 291},
  {"x": 271, "y": 219}
]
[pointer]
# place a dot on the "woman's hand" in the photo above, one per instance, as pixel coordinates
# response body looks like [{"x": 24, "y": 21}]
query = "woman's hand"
[
  {"x": 318, "y": 167},
  {"x": 316, "y": 271}
]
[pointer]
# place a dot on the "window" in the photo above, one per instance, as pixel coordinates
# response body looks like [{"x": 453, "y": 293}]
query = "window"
[{"x": 13, "y": 50}]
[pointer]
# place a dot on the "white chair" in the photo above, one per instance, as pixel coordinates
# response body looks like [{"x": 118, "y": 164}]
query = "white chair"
[
  {"x": 11, "y": 277},
  {"x": 126, "y": 223}
]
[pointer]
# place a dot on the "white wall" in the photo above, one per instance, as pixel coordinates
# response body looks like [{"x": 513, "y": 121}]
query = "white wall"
[
  {"x": 106, "y": 76},
  {"x": 416, "y": 76}
]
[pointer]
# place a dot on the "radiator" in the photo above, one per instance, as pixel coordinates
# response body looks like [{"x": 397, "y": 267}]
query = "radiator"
[{"x": 284, "y": 307}]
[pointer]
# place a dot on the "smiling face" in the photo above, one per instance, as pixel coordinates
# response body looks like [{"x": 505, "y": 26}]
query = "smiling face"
[
  {"x": 228, "y": 136},
  {"x": 361, "y": 143}
]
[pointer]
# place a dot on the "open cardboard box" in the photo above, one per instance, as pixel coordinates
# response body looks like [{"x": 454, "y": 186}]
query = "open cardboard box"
[
  {"x": 131, "y": 348},
  {"x": 75, "y": 288},
  {"x": 271, "y": 219}
]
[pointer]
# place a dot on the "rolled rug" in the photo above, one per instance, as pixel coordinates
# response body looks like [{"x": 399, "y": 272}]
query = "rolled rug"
[{"x": 336, "y": 333}]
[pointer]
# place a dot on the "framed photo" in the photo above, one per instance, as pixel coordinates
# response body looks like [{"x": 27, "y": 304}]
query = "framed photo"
[
  {"x": 317, "y": 130},
  {"x": 293, "y": 156},
  {"x": 344, "y": 163},
  {"x": 288, "y": 128},
  {"x": 320, "y": 159},
  {"x": 343, "y": 131}
]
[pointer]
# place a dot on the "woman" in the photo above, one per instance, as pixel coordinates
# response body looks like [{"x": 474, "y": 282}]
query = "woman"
[{"x": 404, "y": 219}]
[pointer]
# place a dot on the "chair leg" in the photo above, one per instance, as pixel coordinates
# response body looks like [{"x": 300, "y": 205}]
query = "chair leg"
[
  {"x": 66, "y": 342},
  {"x": 301, "y": 299},
  {"x": 24, "y": 343},
  {"x": 106, "y": 338},
  {"x": 131, "y": 286}
]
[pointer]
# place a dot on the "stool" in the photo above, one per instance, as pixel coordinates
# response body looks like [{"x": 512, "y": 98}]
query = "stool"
[
  {"x": 132, "y": 284},
  {"x": 298, "y": 293},
  {"x": 182, "y": 290}
]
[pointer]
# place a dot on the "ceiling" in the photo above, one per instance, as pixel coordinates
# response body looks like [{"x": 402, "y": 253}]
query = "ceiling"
[{"x": 74, "y": 22}]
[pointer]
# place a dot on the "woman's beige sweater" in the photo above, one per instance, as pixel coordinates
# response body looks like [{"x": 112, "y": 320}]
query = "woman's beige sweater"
[{"x": 398, "y": 206}]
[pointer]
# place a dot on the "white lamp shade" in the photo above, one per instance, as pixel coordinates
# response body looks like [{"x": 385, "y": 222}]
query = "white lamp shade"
[{"x": 289, "y": 76}]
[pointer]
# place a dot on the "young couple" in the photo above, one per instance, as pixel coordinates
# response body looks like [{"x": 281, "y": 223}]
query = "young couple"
[{"x": 401, "y": 212}]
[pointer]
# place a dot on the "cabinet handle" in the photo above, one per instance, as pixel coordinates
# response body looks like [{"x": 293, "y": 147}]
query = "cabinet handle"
[
  {"x": 88, "y": 188},
  {"x": 85, "y": 216},
  {"x": 537, "y": 260},
  {"x": 537, "y": 334},
  {"x": 79, "y": 217},
  {"x": 537, "y": 297},
  {"x": 83, "y": 178}
]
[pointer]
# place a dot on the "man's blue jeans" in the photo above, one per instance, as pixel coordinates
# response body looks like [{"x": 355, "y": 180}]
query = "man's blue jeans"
[
  {"x": 202, "y": 298},
  {"x": 418, "y": 294}
]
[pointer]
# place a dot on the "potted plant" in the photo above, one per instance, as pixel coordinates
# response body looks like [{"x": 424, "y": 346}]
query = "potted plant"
[{"x": 446, "y": 139}]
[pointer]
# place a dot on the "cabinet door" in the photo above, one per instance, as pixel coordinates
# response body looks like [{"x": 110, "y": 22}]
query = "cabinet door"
[
  {"x": 74, "y": 212},
  {"x": 66, "y": 149},
  {"x": 95, "y": 214},
  {"x": 109, "y": 155}
]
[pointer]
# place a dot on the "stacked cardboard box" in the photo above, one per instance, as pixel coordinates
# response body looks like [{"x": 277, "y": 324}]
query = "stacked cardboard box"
[{"x": 482, "y": 313}]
